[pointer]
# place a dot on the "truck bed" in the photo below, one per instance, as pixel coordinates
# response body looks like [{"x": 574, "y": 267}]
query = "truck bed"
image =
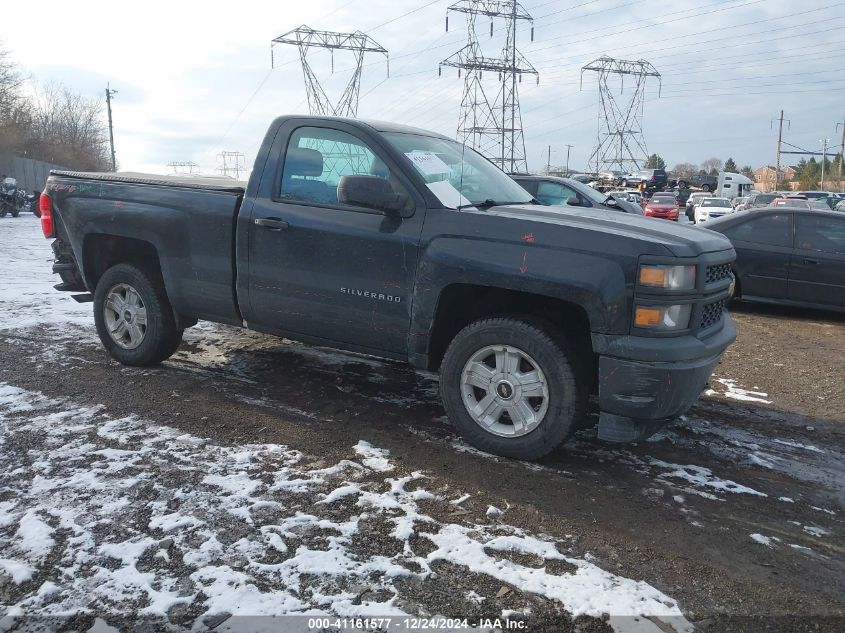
[
  {"x": 209, "y": 183},
  {"x": 184, "y": 226}
]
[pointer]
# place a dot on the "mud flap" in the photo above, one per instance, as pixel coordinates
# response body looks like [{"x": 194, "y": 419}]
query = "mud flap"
[{"x": 618, "y": 429}]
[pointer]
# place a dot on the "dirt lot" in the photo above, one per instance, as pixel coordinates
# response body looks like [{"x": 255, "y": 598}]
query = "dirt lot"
[
  {"x": 159, "y": 491},
  {"x": 799, "y": 355}
]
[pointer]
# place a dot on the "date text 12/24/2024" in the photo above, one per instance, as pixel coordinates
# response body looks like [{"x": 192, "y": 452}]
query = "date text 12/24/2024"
[{"x": 413, "y": 624}]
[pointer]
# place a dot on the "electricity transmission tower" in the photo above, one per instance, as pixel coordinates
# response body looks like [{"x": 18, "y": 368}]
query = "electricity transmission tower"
[
  {"x": 183, "y": 167},
  {"x": 232, "y": 164},
  {"x": 306, "y": 38},
  {"x": 492, "y": 124},
  {"x": 620, "y": 143}
]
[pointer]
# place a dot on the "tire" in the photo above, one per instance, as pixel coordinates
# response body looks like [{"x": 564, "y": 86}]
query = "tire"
[
  {"x": 15, "y": 213},
  {"x": 556, "y": 415},
  {"x": 706, "y": 188},
  {"x": 159, "y": 337},
  {"x": 682, "y": 184}
]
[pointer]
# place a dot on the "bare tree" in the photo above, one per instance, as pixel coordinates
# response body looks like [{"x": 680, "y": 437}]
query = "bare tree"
[
  {"x": 712, "y": 166},
  {"x": 682, "y": 170},
  {"x": 14, "y": 109},
  {"x": 69, "y": 129}
]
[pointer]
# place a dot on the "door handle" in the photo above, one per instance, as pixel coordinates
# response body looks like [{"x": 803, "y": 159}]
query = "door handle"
[
  {"x": 273, "y": 224},
  {"x": 807, "y": 260}
]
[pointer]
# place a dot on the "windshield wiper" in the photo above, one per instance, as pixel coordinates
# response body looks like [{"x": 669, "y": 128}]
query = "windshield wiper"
[{"x": 492, "y": 203}]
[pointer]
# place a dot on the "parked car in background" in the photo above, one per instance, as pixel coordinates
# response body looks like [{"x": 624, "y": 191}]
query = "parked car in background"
[
  {"x": 801, "y": 203},
  {"x": 682, "y": 196},
  {"x": 762, "y": 200},
  {"x": 701, "y": 181},
  {"x": 652, "y": 179},
  {"x": 788, "y": 256},
  {"x": 740, "y": 203},
  {"x": 822, "y": 204},
  {"x": 554, "y": 191},
  {"x": 711, "y": 208},
  {"x": 663, "y": 206},
  {"x": 841, "y": 205},
  {"x": 817, "y": 194},
  {"x": 692, "y": 201}
]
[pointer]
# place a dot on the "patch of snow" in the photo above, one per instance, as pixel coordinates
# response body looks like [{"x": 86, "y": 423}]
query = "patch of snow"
[
  {"x": 764, "y": 540},
  {"x": 786, "y": 499},
  {"x": 18, "y": 571},
  {"x": 373, "y": 458},
  {"x": 701, "y": 476},
  {"x": 806, "y": 447},
  {"x": 825, "y": 510},
  {"x": 460, "y": 500},
  {"x": 815, "y": 531},
  {"x": 735, "y": 392}
]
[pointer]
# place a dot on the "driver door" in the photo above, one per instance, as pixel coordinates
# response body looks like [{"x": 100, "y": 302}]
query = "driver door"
[{"x": 326, "y": 269}]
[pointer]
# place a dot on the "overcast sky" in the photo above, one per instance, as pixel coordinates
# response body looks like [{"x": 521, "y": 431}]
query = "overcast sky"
[{"x": 194, "y": 78}]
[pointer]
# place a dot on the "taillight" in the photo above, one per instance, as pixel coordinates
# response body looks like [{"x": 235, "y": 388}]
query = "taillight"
[{"x": 45, "y": 206}]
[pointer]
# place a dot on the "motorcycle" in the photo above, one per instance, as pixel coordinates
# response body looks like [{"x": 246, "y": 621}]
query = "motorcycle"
[{"x": 8, "y": 202}]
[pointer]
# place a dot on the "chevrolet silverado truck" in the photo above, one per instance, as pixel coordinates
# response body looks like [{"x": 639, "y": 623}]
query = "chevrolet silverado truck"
[{"x": 400, "y": 243}]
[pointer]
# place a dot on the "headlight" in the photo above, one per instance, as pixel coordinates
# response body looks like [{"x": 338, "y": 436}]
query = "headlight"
[
  {"x": 668, "y": 277},
  {"x": 663, "y": 318}
]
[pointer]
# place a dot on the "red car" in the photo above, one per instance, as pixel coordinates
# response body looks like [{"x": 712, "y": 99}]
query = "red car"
[{"x": 662, "y": 206}]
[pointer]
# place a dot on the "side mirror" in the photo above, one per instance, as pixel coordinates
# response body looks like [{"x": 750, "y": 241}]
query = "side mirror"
[
  {"x": 611, "y": 202},
  {"x": 573, "y": 201},
  {"x": 373, "y": 192}
]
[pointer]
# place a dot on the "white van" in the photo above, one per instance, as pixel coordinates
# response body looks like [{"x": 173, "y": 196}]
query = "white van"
[{"x": 732, "y": 185}]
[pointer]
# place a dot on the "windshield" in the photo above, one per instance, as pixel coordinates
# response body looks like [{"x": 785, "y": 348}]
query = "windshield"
[
  {"x": 715, "y": 202},
  {"x": 457, "y": 175}
]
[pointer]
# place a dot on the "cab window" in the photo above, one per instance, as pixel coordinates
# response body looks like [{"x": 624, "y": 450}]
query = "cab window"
[{"x": 319, "y": 161}]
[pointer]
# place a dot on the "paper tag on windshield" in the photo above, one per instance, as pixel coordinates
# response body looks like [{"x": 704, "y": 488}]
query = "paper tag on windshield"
[
  {"x": 449, "y": 197},
  {"x": 428, "y": 163}
]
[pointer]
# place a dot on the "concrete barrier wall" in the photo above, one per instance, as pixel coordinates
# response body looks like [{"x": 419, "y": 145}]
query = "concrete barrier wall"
[{"x": 31, "y": 174}]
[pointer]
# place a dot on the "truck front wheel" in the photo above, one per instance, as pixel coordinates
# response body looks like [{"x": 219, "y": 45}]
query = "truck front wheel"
[
  {"x": 511, "y": 389},
  {"x": 133, "y": 316}
]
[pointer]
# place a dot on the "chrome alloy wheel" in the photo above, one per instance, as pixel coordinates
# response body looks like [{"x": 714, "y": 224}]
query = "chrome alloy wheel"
[
  {"x": 504, "y": 390},
  {"x": 125, "y": 316}
]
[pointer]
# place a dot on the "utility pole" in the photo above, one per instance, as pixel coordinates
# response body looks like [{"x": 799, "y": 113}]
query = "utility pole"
[
  {"x": 492, "y": 125},
  {"x": 549, "y": 161},
  {"x": 109, "y": 93},
  {"x": 841, "y": 153},
  {"x": 824, "y": 143},
  {"x": 780, "y": 140},
  {"x": 569, "y": 146},
  {"x": 620, "y": 118}
]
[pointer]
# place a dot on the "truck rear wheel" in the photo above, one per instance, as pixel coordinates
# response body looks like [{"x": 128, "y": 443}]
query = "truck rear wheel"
[
  {"x": 511, "y": 389},
  {"x": 133, "y": 316}
]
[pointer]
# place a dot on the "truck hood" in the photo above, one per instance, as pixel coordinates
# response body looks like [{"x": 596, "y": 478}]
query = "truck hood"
[{"x": 679, "y": 240}]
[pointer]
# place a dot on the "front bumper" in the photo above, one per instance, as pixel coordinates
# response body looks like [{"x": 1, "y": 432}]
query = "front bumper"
[{"x": 646, "y": 382}]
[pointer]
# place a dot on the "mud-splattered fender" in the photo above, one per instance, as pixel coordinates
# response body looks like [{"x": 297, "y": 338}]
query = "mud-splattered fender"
[{"x": 596, "y": 283}]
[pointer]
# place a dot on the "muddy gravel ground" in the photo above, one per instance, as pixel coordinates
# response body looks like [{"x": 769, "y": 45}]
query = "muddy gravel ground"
[{"x": 734, "y": 512}]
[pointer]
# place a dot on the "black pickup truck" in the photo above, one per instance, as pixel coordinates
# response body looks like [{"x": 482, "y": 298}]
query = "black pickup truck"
[{"x": 401, "y": 243}]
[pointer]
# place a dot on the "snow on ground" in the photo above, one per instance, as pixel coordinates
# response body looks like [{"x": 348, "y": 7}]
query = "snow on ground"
[
  {"x": 119, "y": 518},
  {"x": 732, "y": 390},
  {"x": 27, "y": 297}
]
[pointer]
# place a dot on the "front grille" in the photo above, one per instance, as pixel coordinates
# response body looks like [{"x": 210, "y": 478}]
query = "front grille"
[
  {"x": 712, "y": 314},
  {"x": 717, "y": 273}
]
